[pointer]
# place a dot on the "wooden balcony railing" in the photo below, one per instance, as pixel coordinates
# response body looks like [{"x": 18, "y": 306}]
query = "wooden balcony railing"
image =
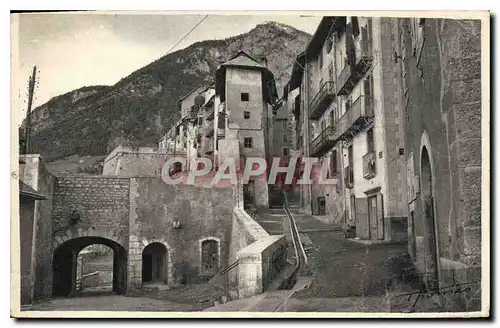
[
  {"x": 351, "y": 75},
  {"x": 323, "y": 142},
  {"x": 357, "y": 116},
  {"x": 322, "y": 100}
]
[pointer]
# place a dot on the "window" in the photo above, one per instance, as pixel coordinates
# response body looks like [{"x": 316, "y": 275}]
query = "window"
[
  {"x": 285, "y": 137},
  {"x": 368, "y": 91},
  {"x": 210, "y": 256},
  {"x": 248, "y": 142},
  {"x": 200, "y": 120},
  {"x": 348, "y": 104},
  {"x": 369, "y": 139},
  {"x": 350, "y": 155},
  {"x": 334, "y": 163},
  {"x": 245, "y": 96},
  {"x": 246, "y": 115},
  {"x": 286, "y": 151}
]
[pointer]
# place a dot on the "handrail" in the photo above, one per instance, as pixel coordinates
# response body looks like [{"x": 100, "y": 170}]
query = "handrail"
[
  {"x": 295, "y": 237},
  {"x": 228, "y": 268}
]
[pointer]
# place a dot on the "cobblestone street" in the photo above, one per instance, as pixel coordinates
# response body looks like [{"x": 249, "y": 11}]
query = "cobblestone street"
[
  {"x": 188, "y": 298},
  {"x": 343, "y": 268},
  {"x": 109, "y": 303}
]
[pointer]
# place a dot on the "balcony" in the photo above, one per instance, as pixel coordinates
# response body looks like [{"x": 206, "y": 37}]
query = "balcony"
[
  {"x": 324, "y": 142},
  {"x": 357, "y": 117},
  {"x": 209, "y": 130},
  {"x": 350, "y": 76},
  {"x": 322, "y": 100},
  {"x": 369, "y": 166},
  {"x": 349, "y": 177}
]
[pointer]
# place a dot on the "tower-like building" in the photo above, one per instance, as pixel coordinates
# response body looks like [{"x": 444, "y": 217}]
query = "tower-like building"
[{"x": 245, "y": 94}]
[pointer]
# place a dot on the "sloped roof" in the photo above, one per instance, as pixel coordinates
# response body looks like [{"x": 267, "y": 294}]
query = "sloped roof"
[
  {"x": 201, "y": 86},
  {"x": 26, "y": 190},
  {"x": 242, "y": 59}
]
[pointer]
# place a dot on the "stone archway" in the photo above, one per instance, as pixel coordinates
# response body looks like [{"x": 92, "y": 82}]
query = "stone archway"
[
  {"x": 429, "y": 220},
  {"x": 159, "y": 247},
  {"x": 155, "y": 264},
  {"x": 64, "y": 264}
]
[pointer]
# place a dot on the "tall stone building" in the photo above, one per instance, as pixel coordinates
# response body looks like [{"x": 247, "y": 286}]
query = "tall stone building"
[
  {"x": 247, "y": 93},
  {"x": 349, "y": 120},
  {"x": 440, "y": 61}
]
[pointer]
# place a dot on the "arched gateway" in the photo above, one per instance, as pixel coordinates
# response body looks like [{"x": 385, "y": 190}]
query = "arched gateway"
[{"x": 64, "y": 262}]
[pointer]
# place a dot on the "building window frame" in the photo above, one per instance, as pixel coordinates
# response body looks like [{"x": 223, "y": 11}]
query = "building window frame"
[
  {"x": 286, "y": 151},
  {"x": 246, "y": 114},
  {"x": 203, "y": 270},
  {"x": 248, "y": 142},
  {"x": 245, "y": 96}
]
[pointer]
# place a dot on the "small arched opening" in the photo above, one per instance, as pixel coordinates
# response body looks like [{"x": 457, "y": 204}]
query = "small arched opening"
[
  {"x": 431, "y": 259},
  {"x": 155, "y": 264},
  {"x": 66, "y": 278}
]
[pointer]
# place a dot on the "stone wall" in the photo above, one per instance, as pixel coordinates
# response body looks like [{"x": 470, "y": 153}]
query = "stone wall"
[
  {"x": 141, "y": 161},
  {"x": 443, "y": 113},
  {"x": 35, "y": 174},
  {"x": 259, "y": 263},
  {"x": 245, "y": 231},
  {"x": 204, "y": 212},
  {"x": 27, "y": 211},
  {"x": 102, "y": 202}
]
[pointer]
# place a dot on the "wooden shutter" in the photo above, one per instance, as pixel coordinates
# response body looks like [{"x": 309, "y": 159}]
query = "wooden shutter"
[
  {"x": 368, "y": 93},
  {"x": 364, "y": 41}
]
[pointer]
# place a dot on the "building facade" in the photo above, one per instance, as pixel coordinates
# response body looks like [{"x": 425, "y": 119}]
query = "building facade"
[
  {"x": 347, "y": 119},
  {"x": 440, "y": 61},
  {"x": 247, "y": 93}
]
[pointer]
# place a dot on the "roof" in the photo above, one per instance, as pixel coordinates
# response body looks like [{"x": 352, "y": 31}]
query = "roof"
[
  {"x": 325, "y": 27},
  {"x": 243, "y": 59},
  {"x": 297, "y": 72},
  {"x": 327, "y": 24},
  {"x": 26, "y": 190},
  {"x": 192, "y": 91}
]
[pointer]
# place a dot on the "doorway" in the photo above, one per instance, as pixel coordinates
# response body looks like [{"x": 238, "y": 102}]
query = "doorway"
[
  {"x": 372, "y": 217},
  {"x": 154, "y": 264},
  {"x": 431, "y": 258}
]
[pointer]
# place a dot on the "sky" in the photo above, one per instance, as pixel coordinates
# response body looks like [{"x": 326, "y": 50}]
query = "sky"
[{"x": 74, "y": 50}]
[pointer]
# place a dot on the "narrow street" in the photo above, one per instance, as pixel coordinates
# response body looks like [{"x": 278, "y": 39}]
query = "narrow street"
[{"x": 346, "y": 275}]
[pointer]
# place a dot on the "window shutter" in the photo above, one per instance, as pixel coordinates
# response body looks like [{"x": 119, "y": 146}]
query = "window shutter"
[{"x": 364, "y": 38}]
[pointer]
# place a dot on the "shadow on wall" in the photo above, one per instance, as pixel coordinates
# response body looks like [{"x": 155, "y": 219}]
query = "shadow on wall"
[{"x": 185, "y": 273}]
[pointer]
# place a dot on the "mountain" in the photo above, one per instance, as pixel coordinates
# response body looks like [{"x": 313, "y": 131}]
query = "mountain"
[{"x": 138, "y": 109}]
